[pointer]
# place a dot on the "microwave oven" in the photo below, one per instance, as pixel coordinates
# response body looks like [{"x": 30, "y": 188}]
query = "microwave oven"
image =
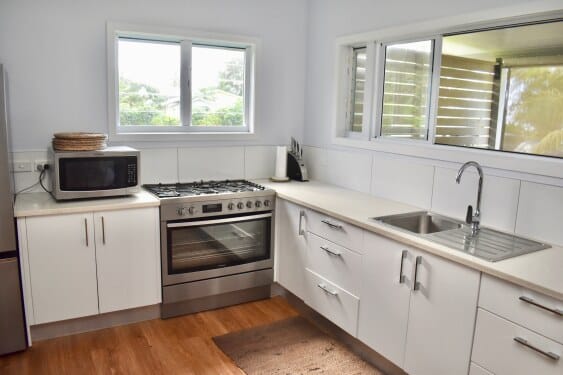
[{"x": 110, "y": 172}]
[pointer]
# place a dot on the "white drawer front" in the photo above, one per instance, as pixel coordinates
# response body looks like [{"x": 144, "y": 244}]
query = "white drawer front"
[
  {"x": 496, "y": 349},
  {"x": 334, "y": 303},
  {"x": 335, "y": 263},
  {"x": 504, "y": 299},
  {"x": 334, "y": 230},
  {"x": 478, "y": 370}
]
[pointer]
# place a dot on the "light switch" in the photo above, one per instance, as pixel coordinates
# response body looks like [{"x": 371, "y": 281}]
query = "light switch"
[{"x": 21, "y": 166}]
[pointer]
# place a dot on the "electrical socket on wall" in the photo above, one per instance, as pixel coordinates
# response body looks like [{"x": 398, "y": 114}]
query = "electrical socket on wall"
[{"x": 38, "y": 165}]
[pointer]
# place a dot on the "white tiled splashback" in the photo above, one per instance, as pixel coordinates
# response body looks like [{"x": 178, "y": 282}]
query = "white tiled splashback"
[
  {"x": 183, "y": 164},
  {"x": 509, "y": 204},
  {"x": 540, "y": 213},
  {"x": 499, "y": 201},
  {"x": 528, "y": 208}
]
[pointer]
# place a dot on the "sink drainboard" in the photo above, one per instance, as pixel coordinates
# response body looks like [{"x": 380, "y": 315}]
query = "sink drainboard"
[{"x": 488, "y": 244}]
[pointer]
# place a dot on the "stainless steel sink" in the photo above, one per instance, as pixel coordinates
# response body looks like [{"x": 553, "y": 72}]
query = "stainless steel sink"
[
  {"x": 420, "y": 222},
  {"x": 486, "y": 244}
]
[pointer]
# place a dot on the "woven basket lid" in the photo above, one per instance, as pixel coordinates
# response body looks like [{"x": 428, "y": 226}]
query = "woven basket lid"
[{"x": 80, "y": 135}]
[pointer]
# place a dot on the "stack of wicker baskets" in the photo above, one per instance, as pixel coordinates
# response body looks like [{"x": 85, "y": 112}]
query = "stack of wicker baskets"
[{"x": 78, "y": 141}]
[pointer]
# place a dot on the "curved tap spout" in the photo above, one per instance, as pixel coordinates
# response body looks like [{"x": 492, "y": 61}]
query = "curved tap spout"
[{"x": 476, "y": 217}]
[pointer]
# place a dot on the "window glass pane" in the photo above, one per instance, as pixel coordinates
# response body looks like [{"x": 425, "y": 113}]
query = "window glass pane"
[
  {"x": 218, "y": 76},
  {"x": 466, "y": 96},
  {"x": 534, "y": 111},
  {"x": 356, "y": 110},
  {"x": 149, "y": 82},
  {"x": 503, "y": 90},
  {"x": 406, "y": 91}
]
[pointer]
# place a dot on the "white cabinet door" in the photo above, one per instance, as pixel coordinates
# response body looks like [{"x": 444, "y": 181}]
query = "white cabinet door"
[
  {"x": 384, "y": 307},
  {"x": 505, "y": 348},
  {"x": 333, "y": 302},
  {"x": 441, "y": 318},
  {"x": 291, "y": 247},
  {"x": 62, "y": 264},
  {"x": 128, "y": 258},
  {"x": 335, "y": 263}
]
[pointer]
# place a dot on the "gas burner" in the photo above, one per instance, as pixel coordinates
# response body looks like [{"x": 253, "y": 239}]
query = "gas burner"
[{"x": 201, "y": 188}]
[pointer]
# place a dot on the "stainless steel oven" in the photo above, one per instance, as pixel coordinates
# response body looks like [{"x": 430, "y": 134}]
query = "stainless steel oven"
[{"x": 217, "y": 248}]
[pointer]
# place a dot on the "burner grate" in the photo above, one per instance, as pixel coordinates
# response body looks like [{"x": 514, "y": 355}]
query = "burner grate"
[{"x": 202, "y": 188}]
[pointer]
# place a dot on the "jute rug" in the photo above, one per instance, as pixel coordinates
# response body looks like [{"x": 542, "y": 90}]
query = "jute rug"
[{"x": 291, "y": 346}]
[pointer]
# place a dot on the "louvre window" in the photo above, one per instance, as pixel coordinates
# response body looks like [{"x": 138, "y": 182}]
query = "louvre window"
[
  {"x": 406, "y": 90},
  {"x": 356, "y": 110},
  {"x": 500, "y": 88},
  {"x": 467, "y": 103}
]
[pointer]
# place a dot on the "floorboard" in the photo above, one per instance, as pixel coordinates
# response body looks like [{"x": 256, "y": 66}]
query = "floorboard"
[{"x": 181, "y": 345}]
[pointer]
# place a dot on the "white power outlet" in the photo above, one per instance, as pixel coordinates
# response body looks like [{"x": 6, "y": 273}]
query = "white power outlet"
[
  {"x": 21, "y": 166},
  {"x": 38, "y": 165}
]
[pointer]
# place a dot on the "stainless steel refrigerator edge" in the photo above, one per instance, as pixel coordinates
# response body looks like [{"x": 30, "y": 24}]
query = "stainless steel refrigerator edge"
[{"x": 12, "y": 323}]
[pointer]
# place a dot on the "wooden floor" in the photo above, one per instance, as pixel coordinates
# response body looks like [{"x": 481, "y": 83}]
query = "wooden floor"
[{"x": 180, "y": 345}]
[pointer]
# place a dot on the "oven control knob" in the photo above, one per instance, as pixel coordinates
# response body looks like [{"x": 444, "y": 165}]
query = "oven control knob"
[
  {"x": 249, "y": 204},
  {"x": 231, "y": 206},
  {"x": 240, "y": 205},
  {"x": 258, "y": 204},
  {"x": 267, "y": 203},
  {"x": 191, "y": 210},
  {"x": 181, "y": 211}
]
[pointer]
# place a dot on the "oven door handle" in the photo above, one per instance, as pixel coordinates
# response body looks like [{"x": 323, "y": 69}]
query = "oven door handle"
[{"x": 217, "y": 221}]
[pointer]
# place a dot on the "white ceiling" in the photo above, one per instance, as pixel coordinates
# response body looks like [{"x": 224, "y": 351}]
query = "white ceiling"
[{"x": 524, "y": 41}]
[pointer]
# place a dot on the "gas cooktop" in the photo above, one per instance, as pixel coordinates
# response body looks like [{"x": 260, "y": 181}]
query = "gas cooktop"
[
  {"x": 211, "y": 198},
  {"x": 203, "y": 188}
]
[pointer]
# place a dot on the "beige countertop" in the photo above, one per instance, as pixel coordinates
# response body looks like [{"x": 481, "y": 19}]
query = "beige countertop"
[
  {"x": 541, "y": 271},
  {"x": 39, "y": 204}
]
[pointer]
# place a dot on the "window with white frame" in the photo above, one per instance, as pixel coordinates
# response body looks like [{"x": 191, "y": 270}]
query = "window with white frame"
[
  {"x": 406, "y": 90},
  {"x": 499, "y": 88},
  {"x": 355, "y": 113},
  {"x": 161, "y": 84}
]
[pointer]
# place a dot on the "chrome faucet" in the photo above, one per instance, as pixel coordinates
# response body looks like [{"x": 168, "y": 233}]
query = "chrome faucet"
[{"x": 471, "y": 217}]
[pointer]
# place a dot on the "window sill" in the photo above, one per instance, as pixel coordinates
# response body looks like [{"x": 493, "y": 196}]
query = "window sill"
[
  {"x": 181, "y": 136},
  {"x": 529, "y": 164}
]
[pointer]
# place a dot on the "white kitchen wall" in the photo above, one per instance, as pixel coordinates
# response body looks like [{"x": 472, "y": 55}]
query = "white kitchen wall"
[
  {"x": 170, "y": 165},
  {"x": 499, "y": 201},
  {"x": 329, "y": 19},
  {"x": 402, "y": 179},
  {"x": 509, "y": 198},
  {"x": 540, "y": 212},
  {"x": 54, "y": 54},
  {"x": 511, "y": 202}
]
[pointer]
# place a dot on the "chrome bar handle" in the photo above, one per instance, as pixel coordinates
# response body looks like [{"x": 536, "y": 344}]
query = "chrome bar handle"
[
  {"x": 416, "y": 283},
  {"x": 197, "y": 223},
  {"x": 103, "y": 231},
  {"x": 86, "y": 231},
  {"x": 525, "y": 342},
  {"x": 403, "y": 257},
  {"x": 331, "y": 252},
  {"x": 300, "y": 230},
  {"x": 331, "y": 292},
  {"x": 531, "y": 301},
  {"x": 331, "y": 224}
]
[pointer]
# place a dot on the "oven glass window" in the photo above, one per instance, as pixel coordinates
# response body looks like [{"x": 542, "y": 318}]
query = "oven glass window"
[{"x": 217, "y": 245}]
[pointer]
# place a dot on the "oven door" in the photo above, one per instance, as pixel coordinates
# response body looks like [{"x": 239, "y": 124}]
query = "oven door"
[{"x": 203, "y": 249}]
